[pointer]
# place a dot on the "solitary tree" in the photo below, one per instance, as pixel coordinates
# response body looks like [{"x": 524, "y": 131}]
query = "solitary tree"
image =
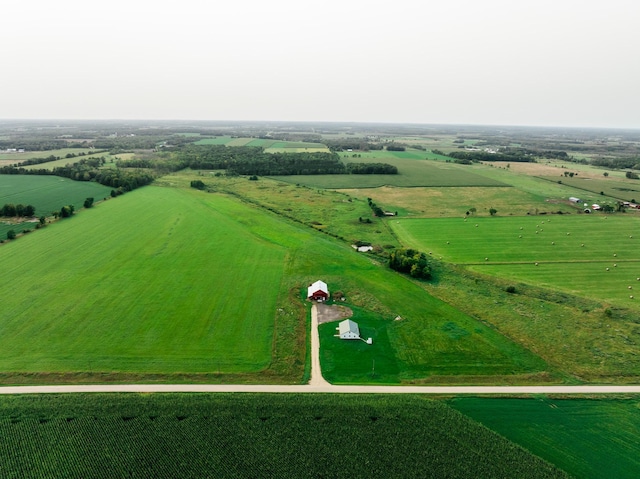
[{"x": 493, "y": 211}]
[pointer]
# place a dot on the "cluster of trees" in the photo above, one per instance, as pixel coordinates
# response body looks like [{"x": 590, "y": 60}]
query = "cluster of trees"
[
  {"x": 198, "y": 185},
  {"x": 247, "y": 160},
  {"x": 371, "y": 169},
  {"x": 410, "y": 261},
  {"x": 254, "y": 161},
  {"x": 360, "y": 144},
  {"x": 88, "y": 170},
  {"x": 515, "y": 156},
  {"x": 19, "y": 210},
  {"x": 375, "y": 208},
  {"x": 617, "y": 163},
  {"x": 395, "y": 147}
]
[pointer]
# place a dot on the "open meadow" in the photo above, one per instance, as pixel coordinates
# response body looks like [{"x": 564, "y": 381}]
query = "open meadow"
[
  {"x": 588, "y": 438},
  {"x": 15, "y": 157}
]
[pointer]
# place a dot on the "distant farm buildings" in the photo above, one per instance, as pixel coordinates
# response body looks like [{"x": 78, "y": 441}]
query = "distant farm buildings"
[{"x": 318, "y": 291}]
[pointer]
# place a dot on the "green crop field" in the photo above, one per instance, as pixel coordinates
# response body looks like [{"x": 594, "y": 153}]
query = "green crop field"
[
  {"x": 46, "y": 193},
  {"x": 589, "y": 439},
  {"x": 572, "y": 252},
  {"x": 110, "y": 159},
  {"x": 163, "y": 280},
  {"x": 411, "y": 172},
  {"x": 27, "y": 155},
  {"x": 270, "y": 146},
  {"x": 249, "y": 435}
]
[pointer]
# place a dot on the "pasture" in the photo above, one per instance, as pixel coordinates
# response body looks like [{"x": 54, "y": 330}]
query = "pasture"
[
  {"x": 46, "y": 193},
  {"x": 573, "y": 252},
  {"x": 621, "y": 189},
  {"x": 588, "y": 438},
  {"x": 252, "y": 435},
  {"x": 411, "y": 173}
]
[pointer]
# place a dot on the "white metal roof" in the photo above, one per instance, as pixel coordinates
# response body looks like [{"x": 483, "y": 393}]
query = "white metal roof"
[
  {"x": 317, "y": 286},
  {"x": 348, "y": 326}
]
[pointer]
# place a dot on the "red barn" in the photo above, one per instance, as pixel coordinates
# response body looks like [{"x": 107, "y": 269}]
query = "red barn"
[{"x": 318, "y": 291}]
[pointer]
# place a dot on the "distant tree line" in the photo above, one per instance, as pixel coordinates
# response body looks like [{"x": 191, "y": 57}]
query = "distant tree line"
[
  {"x": 371, "y": 169},
  {"x": 410, "y": 261},
  {"x": 359, "y": 144},
  {"x": 246, "y": 160},
  {"x": 19, "y": 210},
  {"x": 511, "y": 156},
  {"x": 617, "y": 163},
  {"x": 395, "y": 147}
]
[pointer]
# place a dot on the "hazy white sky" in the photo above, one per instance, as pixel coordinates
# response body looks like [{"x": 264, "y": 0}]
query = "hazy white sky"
[{"x": 507, "y": 62}]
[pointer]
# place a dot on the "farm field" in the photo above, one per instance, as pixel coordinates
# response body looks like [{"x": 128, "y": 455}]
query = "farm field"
[
  {"x": 411, "y": 173},
  {"x": 158, "y": 318},
  {"x": 248, "y": 435},
  {"x": 99, "y": 295},
  {"x": 270, "y": 146},
  {"x": 588, "y": 438},
  {"x": 46, "y": 193},
  {"x": 110, "y": 159},
  {"x": 572, "y": 252},
  {"x": 425, "y": 202},
  {"x": 11, "y": 158},
  {"x": 624, "y": 190}
]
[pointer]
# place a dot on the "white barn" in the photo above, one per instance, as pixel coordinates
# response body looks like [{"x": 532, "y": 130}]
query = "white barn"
[
  {"x": 348, "y": 329},
  {"x": 318, "y": 291}
]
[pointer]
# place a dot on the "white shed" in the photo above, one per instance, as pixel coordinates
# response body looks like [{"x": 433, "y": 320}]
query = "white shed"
[{"x": 348, "y": 329}]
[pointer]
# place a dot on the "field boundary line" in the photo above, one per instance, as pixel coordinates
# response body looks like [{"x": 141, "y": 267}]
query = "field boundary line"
[{"x": 323, "y": 389}]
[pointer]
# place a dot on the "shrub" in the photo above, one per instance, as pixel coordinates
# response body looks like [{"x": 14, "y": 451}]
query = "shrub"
[
  {"x": 11, "y": 234},
  {"x": 510, "y": 289}
]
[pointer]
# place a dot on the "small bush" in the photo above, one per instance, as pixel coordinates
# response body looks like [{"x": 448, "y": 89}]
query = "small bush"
[{"x": 510, "y": 289}]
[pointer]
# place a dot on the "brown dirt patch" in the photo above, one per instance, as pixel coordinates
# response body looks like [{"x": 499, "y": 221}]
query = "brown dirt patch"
[{"x": 334, "y": 312}]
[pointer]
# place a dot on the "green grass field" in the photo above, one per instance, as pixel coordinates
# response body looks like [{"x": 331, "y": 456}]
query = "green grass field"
[
  {"x": 250, "y": 435},
  {"x": 411, "y": 173},
  {"x": 573, "y": 252},
  {"x": 46, "y": 193},
  {"x": 589, "y": 439},
  {"x": 270, "y": 146},
  {"x": 621, "y": 189},
  {"x": 110, "y": 161},
  {"x": 177, "y": 294},
  {"x": 159, "y": 281},
  {"x": 27, "y": 155}
]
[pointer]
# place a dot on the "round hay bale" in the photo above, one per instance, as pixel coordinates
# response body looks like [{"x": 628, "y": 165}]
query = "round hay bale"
[
  {"x": 629, "y": 287},
  {"x": 614, "y": 255},
  {"x": 553, "y": 242},
  {"x": 607, "y": 269},
  {"x": 615, "y": 265},
  {"x": 536, "y": 264},
  {"x": 631, "y": 297}
]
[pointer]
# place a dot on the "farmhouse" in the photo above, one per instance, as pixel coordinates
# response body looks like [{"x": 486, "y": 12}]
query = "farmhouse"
[
  {"x": 348, "y": 329},
  {"x": 318, "y": 291}
]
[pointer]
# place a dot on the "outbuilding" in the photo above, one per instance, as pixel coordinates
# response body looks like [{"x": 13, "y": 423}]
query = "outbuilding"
[
  {"x": 318, "y": 291},
  {"x": 348, "y": 329}
]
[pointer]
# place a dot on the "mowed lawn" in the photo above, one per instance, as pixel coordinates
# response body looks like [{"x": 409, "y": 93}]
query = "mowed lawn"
[
  {"x": 591, "y": 255},
  {"x": 158, "y": 281},
  {"x": 587, "y": 438}
]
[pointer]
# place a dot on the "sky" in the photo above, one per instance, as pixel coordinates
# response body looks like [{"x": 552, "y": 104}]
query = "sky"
[{"x": 491, "y": 62}]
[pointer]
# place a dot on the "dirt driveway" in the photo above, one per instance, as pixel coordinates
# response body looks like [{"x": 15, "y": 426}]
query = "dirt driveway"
[{"x": 334, "y": 312}]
